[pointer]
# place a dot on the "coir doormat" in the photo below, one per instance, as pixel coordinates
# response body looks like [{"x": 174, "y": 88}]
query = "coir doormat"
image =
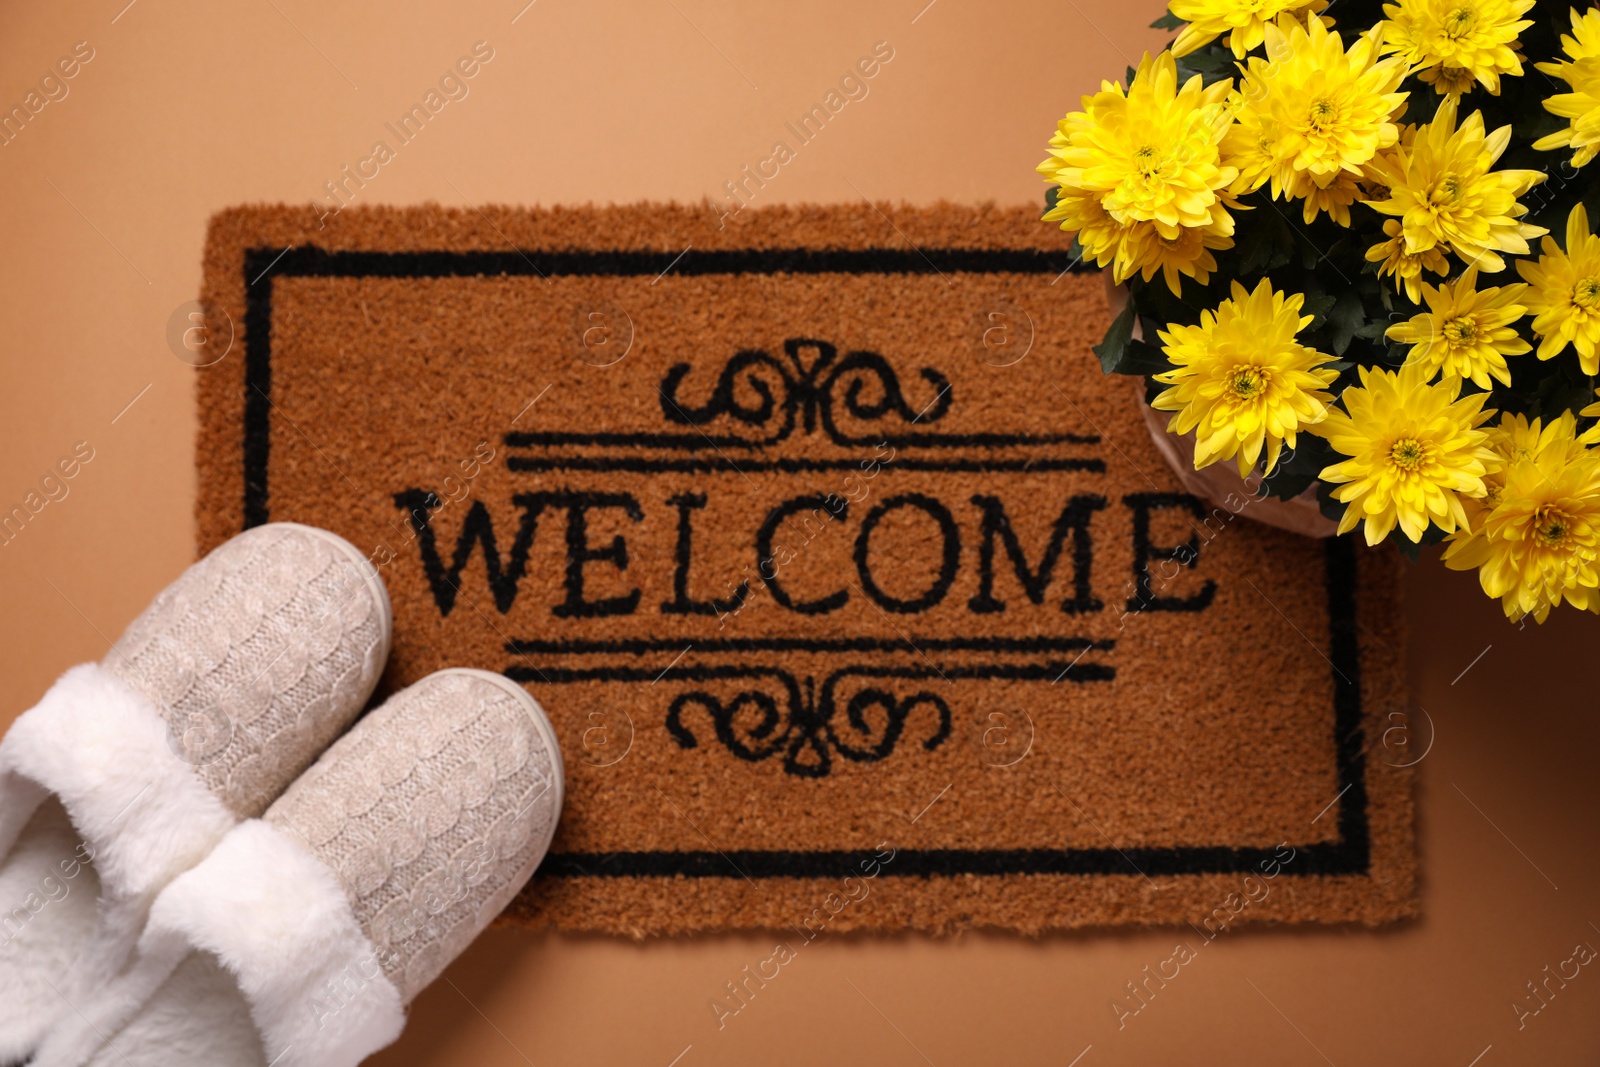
[{"x": 858, "y": 596}]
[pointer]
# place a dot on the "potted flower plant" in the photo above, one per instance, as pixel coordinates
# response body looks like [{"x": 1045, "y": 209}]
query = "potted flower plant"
[{"x": 1360, "y": 269}]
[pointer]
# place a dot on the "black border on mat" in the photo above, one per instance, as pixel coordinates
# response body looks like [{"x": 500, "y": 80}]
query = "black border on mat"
[{"x": 1349, "y": 855}]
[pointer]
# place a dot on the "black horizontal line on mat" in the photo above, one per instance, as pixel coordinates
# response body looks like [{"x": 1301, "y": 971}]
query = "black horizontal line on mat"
[
  {"x": 1018, "y": 672},
  {"x": 1323, "y": 858},
  {"x": 312, "y": 262},
  {"x": 723, "y": 465},
  {"x": 687, "y": 442},
  {"x": 643, "y": 646}
]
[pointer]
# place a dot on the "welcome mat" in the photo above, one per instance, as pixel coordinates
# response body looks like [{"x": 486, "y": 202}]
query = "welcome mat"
[{"x": 858, "y": 596}]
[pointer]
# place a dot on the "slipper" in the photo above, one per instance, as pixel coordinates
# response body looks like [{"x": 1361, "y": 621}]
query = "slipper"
[
  {"x": 131, "y": 770},
  {"x": 311, "y": 928}
]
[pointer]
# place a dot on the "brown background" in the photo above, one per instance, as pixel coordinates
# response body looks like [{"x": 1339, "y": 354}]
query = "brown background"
[{"x": 185, "y": 110}]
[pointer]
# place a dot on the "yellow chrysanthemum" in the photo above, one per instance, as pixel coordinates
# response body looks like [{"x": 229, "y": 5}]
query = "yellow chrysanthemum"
[
  {"x": 1465, "y": 333},
  {"x": 1582, "y": 105},
  {"x": 1448, "y": 81},
  {"x": 1241, "y": 381},
  {"x": 1592, "y": 434},
  {"x": 1564, "y": 293},
  {"x": 1336, "y": 199},
  {"x": 1151, "y": 155},
  {"x": 1444, "y": 193},
  {"x": 1251, "y": 148},
  {"x": 1150, "y": 161},
  {"x": 1139, "y": 248},
  {"x": 1099, "y": 235},
  {"x": 1145, "y": 252},
  {"x": 1406, "y": 266},
  {"x": 1415, "y": 451},
  {"x": 1516, "y": 438},
  {"x": 1512, "y": 439},
  {"x": 1244, "y": 21},
  {"x": 1537, "y": 540},
  {"x": 1312, "y": 110},
  {"x": 1475, "y": 37}
]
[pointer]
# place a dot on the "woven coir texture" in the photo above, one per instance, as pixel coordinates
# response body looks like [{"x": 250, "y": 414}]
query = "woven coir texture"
[{"x": 858, "y": 596}]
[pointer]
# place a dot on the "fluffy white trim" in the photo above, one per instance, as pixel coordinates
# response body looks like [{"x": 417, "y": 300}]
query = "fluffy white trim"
[
  {"x": 141, "y": 813},
  {"x": 197, "y": 1019},
  {"x": 49, "y": 899},
  {"x": 104, "y": 749},
  {"x": 278, "y": 921}
]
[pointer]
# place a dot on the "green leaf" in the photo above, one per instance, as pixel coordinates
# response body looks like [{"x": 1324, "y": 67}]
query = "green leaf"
[
  {"x": 1120, "y": 353},
  {"x": 1297, "y": 469},
  {"x": 1564, "y": 388},
  {"x": 1348, "y": 316},
  {"x": 1532, "y": 125},
  {"x": 1143, "y": 358},
  {"x": 1384, "y": 294},
  {"x": 1169, "y": 21},
  {"x": 1213, "y": 65},
  {"x": 1264, "y": 242},
  {"x": 1311, "y": 254},
  {"x": 1114, "y": 348},
  {"x": 1318, "y": 305},
  {"x": 1208, "y": 61}
]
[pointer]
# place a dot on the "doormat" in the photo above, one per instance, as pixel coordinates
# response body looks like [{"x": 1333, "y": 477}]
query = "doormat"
[{"x": 858, "y": 596}]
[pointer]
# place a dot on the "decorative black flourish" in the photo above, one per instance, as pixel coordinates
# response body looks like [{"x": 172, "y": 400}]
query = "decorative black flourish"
[
  {"x": 759, "y": 390},
  {"x": 798, "y": 723},
  {"x": 806, "y": 732}
]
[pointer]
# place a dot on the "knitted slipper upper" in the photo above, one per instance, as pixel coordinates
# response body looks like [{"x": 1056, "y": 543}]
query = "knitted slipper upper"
[
  {"x": 433, "y": 812},
  {"x": 259, "y": 656}
]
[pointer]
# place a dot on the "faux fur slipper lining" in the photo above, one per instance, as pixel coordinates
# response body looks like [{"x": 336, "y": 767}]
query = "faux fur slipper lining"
[
  {"x": 313, "y": 981},
  {"x": 142, "y": 815}
]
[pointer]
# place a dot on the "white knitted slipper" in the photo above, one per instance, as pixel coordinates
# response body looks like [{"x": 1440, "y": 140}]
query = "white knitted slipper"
[
  {"x": 326, "y": 917},
  {"x": 129, "y": 771}
]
